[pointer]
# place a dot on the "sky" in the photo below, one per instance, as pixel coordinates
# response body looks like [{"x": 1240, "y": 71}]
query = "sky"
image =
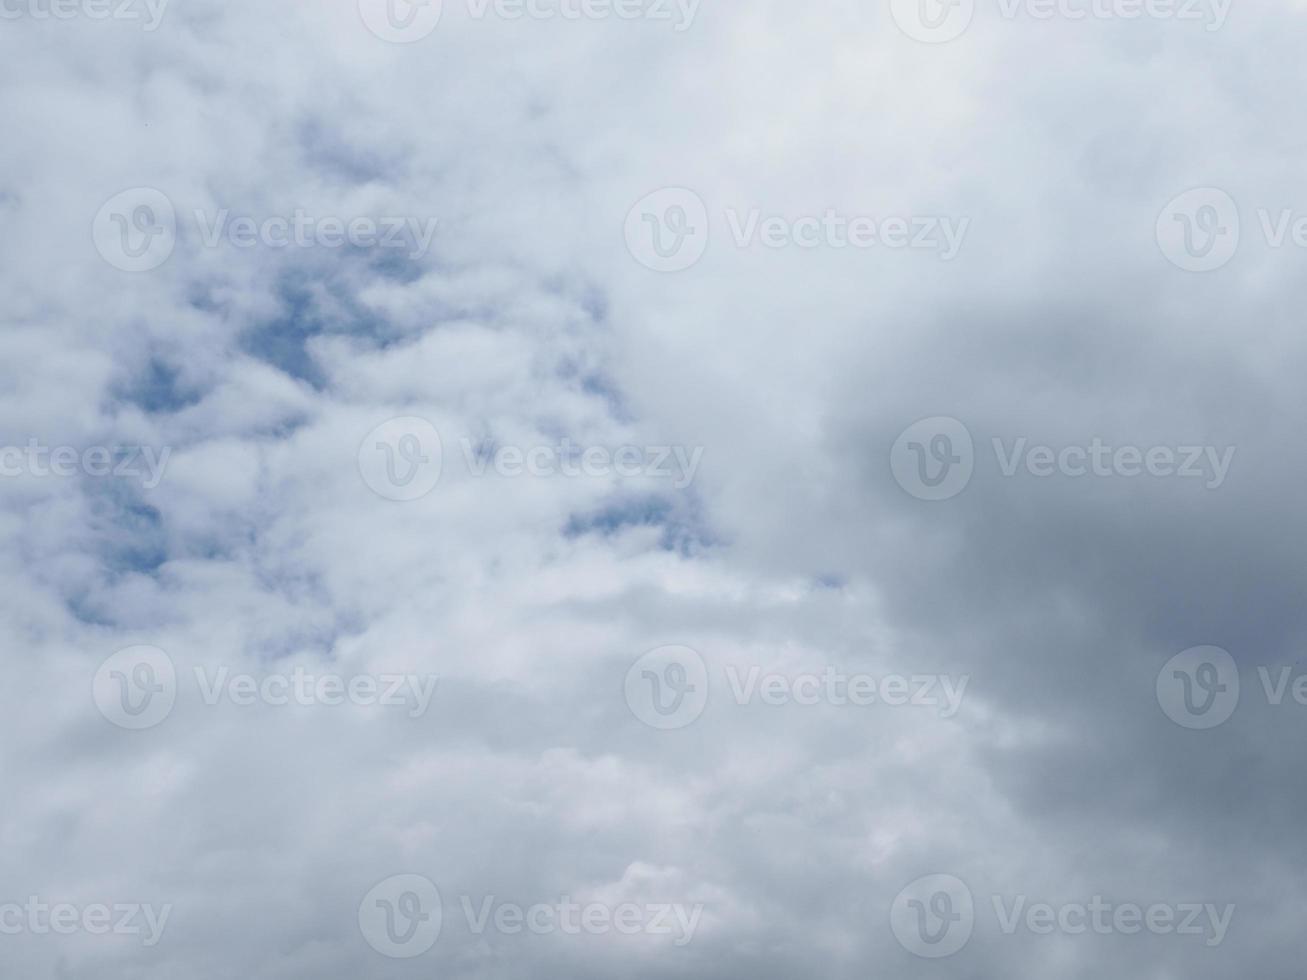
[{"x": 651, "y": 488}]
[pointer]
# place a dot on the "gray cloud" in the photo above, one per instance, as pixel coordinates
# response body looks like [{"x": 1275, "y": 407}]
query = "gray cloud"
[{"x": 266, "y": 547}]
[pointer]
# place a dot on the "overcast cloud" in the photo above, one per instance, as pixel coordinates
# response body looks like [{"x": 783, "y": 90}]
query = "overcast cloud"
[{"x": 652, "y": 488}]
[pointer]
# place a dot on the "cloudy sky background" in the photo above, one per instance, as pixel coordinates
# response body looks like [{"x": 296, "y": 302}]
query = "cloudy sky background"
[{"x": 529, "y": 321}]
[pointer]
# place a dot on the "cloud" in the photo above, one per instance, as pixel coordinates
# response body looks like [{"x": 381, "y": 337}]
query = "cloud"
[{"x": 278, "y": 539}]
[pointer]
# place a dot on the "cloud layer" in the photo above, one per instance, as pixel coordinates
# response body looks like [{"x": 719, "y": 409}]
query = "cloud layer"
[{"x": 461, "y": 221}]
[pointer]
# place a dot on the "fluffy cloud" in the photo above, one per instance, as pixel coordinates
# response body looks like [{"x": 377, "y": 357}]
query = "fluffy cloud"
[{"x": 528, "y": 587}]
